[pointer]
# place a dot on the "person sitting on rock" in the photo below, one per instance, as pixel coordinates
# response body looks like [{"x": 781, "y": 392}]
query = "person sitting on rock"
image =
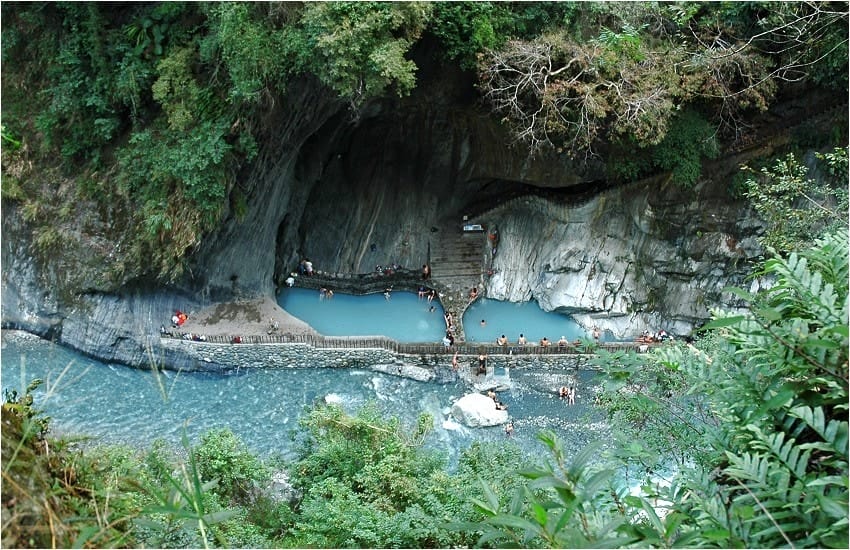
[
  {"x": 562, "y": 343},
  {"x": 501, "y": 406},
  {"x": 563, "y": 392},
  {"x": 544, "y": 342},
  {"x": 473, "y": 294},
  {"x": 502, "y": 341},
  {"x": 491, "y": 394},
  {"x": 522, "y": 340}
]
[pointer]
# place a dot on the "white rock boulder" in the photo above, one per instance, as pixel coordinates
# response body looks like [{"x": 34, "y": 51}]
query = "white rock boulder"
[{"x": 477, "y": 410}]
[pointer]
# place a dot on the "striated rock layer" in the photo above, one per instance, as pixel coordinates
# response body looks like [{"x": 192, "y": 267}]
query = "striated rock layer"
[
  {"x": 647, "y": 256},
  {"x": 352, "y": 194}
]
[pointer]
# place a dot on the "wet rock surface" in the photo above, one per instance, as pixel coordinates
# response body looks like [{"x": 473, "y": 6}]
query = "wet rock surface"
[{"x": 477, "y": 410}]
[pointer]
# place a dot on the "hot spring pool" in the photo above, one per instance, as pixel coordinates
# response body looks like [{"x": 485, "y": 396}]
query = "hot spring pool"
[
  {"x": 404, "y": 317},
  {"x": 513, "y": 319}
]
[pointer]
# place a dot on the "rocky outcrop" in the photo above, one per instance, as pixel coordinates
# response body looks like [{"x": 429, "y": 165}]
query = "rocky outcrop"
[
  {"x": 649, "y": 255},
  {"x": 477, "y": 410}
]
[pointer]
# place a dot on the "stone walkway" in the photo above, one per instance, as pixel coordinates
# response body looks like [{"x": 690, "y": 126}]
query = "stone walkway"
[{"x": 458, "y": 263}]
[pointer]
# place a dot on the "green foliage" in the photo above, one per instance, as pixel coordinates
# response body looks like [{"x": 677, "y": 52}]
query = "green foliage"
[
  {"x": 359, "y": 48},
  {"x": 626, "y": 43},
  {"x": 54, "y": 495},
  {"x": 758, "y": 412},
  {"x": 368, "y": 482},
  {"x": 654, "y": 419},
  {"x": 797, "y": 208},
  {"x": 256, "y": 54},
  {"x": 562, "y": 506},
  {"x": 22, "y": 407},
  {"x": 783, "y": 405},
  {"x": 8, "y": 138},
  {"x": 185, "y": 506},
  {"x": 690, "y": 139},
  {"x": 223, "y": 458},
  {"x": 368, "y": 454},
  {"x": 465, "y": 29}
]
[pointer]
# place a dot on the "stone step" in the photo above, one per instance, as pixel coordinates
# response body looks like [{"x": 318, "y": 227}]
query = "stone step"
[
  {"x": 455, "y": 261},
  {"x": 459, "y": 262},
  {"x": 450, "y": 250}
]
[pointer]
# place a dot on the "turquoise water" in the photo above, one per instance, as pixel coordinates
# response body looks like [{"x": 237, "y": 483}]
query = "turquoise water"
[
  {"x": 404, "y": 317},
  {"x": 513, "y": 319},
  {"x": 118, "y": 404},
  {"x": 407, "y": 318}
]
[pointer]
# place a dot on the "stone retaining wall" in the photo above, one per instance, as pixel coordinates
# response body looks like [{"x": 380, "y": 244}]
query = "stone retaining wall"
[{"x": 219, "y": 357}]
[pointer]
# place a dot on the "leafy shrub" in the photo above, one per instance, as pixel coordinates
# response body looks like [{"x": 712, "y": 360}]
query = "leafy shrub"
[
  {"x": 798, "y": 208},
  {"x": 223, "y": 458}
]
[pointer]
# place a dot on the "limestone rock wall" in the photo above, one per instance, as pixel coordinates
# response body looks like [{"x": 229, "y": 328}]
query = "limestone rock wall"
[
  {"x": 239, "y": 259},
  {"x": 352, "y": 194},
  {"x": 648, "y": 255}
]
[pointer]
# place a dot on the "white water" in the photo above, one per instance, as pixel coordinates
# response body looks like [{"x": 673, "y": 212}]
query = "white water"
[{"x": 122, "y": 405}]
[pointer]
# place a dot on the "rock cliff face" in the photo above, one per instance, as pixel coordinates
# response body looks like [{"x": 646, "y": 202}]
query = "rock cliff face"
[
  {"x": 649, "y": 255},
  {"x": 353, "y": 194}
]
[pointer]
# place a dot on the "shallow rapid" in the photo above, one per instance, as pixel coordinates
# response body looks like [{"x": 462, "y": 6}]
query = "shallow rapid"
[{"x": 117, "y": 404}]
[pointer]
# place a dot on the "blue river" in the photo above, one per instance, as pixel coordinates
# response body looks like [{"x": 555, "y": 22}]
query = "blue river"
[{"x": 118, "y": 404}]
